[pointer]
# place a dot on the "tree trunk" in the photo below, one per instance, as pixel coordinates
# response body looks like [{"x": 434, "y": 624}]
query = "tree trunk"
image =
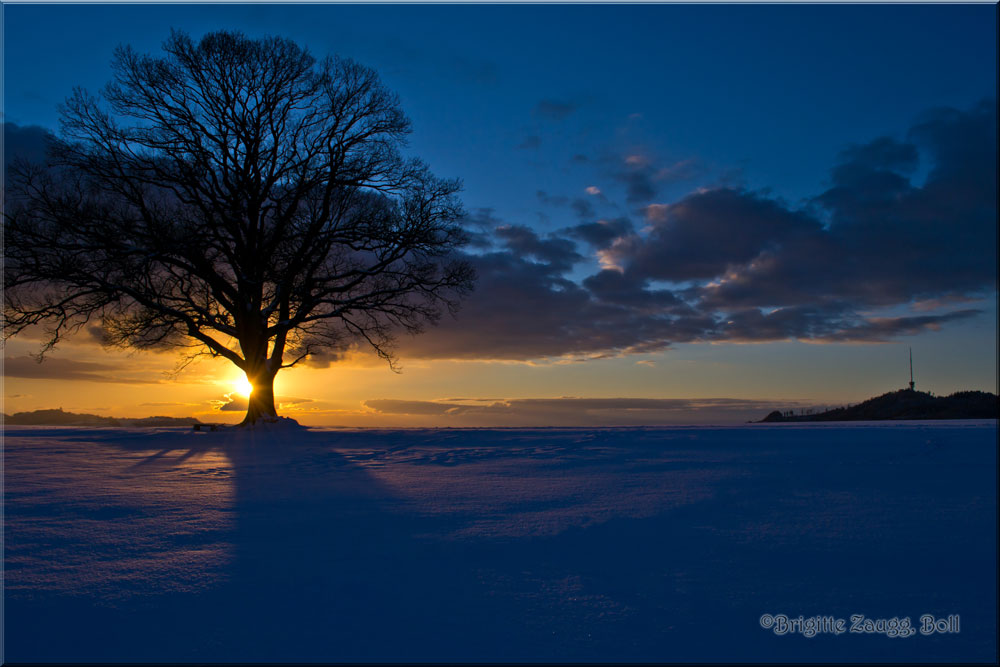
[{"x": 260, "y": 406}]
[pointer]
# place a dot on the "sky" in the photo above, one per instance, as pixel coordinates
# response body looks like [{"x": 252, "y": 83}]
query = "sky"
[{"x": 681, "y": 213}]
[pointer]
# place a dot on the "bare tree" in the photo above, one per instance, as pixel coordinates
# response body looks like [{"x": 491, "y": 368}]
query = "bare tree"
[{"x": 238, "y": 198}]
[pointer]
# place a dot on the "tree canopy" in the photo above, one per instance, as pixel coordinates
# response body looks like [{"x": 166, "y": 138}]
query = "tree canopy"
[{"x": 234, "y": 197}]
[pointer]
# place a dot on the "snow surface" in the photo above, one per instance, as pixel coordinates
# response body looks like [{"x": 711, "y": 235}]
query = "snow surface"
[{"x": 635, "y": 544}]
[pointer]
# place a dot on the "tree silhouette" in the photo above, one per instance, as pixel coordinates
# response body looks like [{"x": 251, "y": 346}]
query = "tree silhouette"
[{"x": 238, "y": 198}]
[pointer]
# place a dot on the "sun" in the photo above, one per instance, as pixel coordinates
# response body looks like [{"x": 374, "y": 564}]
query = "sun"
[{"x": 242, "y": 386}]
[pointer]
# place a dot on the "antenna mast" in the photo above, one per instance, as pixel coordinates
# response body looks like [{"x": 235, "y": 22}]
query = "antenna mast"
[{"x": 911, "y": 369}]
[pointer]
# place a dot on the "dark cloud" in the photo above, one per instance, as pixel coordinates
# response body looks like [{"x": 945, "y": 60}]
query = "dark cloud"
[
  {"x": 530, "y": 142},
  {"x": 602, "y": 233},
  {"x": 643, "y": 178},
  {"x": 963, "y": 148},
  {"x": 830, "y": 323},
  {"x": 860, "y": 262},
  {"x": 639, "y": 184},
  {"x": 235, "y": 403},
  {"x": 884, "y": 153},
  {"x": 555, "y": 109},
  {"x": 291, "y": 401},
  {"x": 583, "y": 208},
  {"x": 527, "y": 310},
  {"x": 705, "y": 233},
  {"x": 889, "y": 241},
  {"x": 886, "y": 328},
  {"x": 54, "y": 368},
  {"x": 679, "y": 172},
  {"x": 479, "y": 225},
  {"x": 585, "y": 411},
  {"x": 559, "y": 254},
  {"x": 231, "y": 403},
  {"x": 27, "y": 142},
  {"x": 551, "y": 200},
  {"x": 321, "y": 358},
  {"x": 728, "y": 263},
  {"x": 611, "y": 286},
  {"x": 399, "y": 407},
  {"x": 167, "y": 404}
]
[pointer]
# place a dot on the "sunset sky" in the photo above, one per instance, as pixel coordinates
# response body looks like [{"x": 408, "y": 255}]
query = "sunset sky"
[{"x": 679, "y": 213}]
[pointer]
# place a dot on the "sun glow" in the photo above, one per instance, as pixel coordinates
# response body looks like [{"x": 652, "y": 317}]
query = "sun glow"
[{"x": 242, "y": 386}]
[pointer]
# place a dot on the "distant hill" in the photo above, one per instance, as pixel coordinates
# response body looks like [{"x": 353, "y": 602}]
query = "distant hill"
[
  {"x": 58, "y": 417},
  {"x": 906, "y": 404}
]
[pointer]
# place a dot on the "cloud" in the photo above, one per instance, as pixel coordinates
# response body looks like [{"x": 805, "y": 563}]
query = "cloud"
[
  {"x": 233, "y": 402},
  {"x": 864, "y": 260},
  {"x": 555, "y": 109},
  {"x": 702, "y": 235},
  {"x": 828, "y": 323},
  {"x": 570, "y": 411},
  {"x": 525, "y": 309},
  {"x": 624, "y": 289},
  {"x": 479, "y": 225},
  {"x": 583, "y": 208},
  {"x": 602, "y": 233},
  {"x": 878, "y": 254},
  {"x": 322, "y": 358},
  {"x": 290, "y": 402},
  {"x": 551, "y": 200},
  {"x": 530, "y": 142},
  {"x": 889, "y": 241},
  {"x": 24, "y": 141},
  {"x": 230, "y": 403},
  {"x": 167, "y": 404},
  {"x": 560, "y": 254},
  {"x": 398, "y": 407},
  {"x": 886, "y": 328},
  {"x": 683, "y": 170},
  {"x": 639, "y": 185},
  {"x": 643, "y": 178},
  {"x": 55, "y": 368}
]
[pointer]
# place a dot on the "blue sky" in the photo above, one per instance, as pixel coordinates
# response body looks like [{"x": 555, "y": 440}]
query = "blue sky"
[
  {"x": 647, "y": 106},
  {"x": 775, "y": 91}
]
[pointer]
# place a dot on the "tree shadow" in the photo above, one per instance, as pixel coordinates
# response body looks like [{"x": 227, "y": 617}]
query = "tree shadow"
[
  {"x": 324, "y": 563},
  {"x": 331, "y": 564}
]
